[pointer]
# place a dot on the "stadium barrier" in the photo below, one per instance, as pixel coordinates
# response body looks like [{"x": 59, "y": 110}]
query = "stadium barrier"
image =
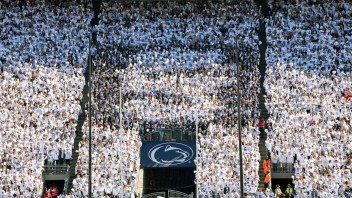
[
  {"x": 155, "y": 195},
  {"x": 174, "y": 194},
  {"x": 282, "y": 168},
  {"x": 67, "y": 180},
  {"x": 175, "y": 134},
  {"x": 55, "y": 170}
]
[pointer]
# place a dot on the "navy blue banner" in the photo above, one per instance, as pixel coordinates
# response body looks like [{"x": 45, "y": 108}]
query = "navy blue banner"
[{"x": 168, "y": 154}]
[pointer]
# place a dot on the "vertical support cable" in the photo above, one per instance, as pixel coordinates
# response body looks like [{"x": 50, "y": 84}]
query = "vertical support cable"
[
  {"x": 90, "y": 120},
  {"x": 239, "y": 120}
]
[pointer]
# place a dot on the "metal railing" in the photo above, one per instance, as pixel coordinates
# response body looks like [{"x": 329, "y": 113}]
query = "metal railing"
[
  {"x": 55, "y": 170},
  {"x": 282, "y": 168},
  {"x": 155, "y": 195},
  {"x": 175, "y": 193},
  {"x": 175, "y": 134},
  {"x": 67, "y": 180}
]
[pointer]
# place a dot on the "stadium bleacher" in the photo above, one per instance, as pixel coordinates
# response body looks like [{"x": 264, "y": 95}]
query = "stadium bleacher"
[
  {"x": 175, "y": 65},
  {"x": 167, "y": 77},
  {"x": 41, "y": 84},
  {"x": 309, "y": 70}
]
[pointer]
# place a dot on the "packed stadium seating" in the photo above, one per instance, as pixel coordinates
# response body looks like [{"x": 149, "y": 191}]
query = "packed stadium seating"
[
  {"x": 42, "y": 50},
  {"x": 308, "y": 73},
  {"x": 172, "y": 69},
  {"x": 174, "y": 63}
]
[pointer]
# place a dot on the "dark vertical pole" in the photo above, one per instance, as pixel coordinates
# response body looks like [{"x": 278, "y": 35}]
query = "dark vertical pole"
[
  {"x": 239, "y": 119},
  {"x": 197, "y": 162},
  {"x": 90, "y": 120},
  {"x": 120, "y": 153}
]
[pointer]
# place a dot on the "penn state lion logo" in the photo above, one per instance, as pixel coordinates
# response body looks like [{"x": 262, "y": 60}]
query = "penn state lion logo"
[{"x": 171, "y": 153}]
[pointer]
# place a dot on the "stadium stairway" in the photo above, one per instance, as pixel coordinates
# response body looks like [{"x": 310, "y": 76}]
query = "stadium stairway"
[
  {"x": 81, "y": 119},
  {"x": 96, "y": 8},
  {"x": 262, "y": 67},
  {"x": 84, "y": 103}
]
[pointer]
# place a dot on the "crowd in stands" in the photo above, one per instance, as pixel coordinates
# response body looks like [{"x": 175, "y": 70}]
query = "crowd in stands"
[
  {"x": 42, "y": 50},
  {"x": 174, "y": 63},
  {"x": 173, "y": 66},
  {"x": 308, "y": 83}
]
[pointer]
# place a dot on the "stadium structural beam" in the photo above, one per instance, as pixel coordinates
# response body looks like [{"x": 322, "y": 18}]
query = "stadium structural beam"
[
  {"x": 239, "y": 117},
  {"x": 90, "y": 120}
]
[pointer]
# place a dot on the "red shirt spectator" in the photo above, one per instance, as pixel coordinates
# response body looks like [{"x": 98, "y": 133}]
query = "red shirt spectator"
[
  {"x": 54, "y": 192},
  {"x": 46, "y": 195},
  {"x": 262, "y": 124},
  {"x": 348, "y": 94}
]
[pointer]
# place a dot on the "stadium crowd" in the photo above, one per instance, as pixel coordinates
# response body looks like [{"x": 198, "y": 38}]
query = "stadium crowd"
[
  {"x": 174, "y": 63},
  {"x": 42, "y": 50},
  {"x": 308, "y": 83}
]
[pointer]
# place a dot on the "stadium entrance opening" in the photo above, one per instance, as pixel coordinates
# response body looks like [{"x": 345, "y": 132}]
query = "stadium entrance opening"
[
  {"x": 167, "y": 157},
  {"x": 164, "y": 179},
  {"x": 281, "y": 183},
  {"x": 58, "y": 184}
]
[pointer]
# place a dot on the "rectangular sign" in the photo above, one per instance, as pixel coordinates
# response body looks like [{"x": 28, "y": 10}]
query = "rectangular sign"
[{"x": 168, "y": 154}]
